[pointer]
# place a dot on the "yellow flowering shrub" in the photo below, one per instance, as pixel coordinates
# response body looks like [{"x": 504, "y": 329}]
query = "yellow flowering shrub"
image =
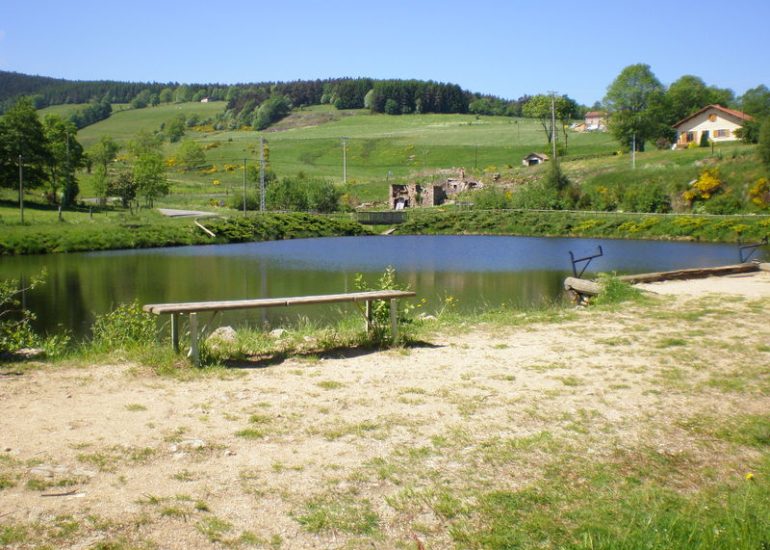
[
  {"x": 707, "y": 184},
  {"x": 759, "y": 193}
]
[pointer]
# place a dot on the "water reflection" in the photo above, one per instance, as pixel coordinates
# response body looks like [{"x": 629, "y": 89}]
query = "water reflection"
[{"x": 477, "y": 271}]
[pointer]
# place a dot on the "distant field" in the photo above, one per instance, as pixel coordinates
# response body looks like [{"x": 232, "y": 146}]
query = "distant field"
[
  {"x": 125, "y": 124},
  {"x": 63, "y": 111},
  {"x": 379, "y": 147},
  {"x": 378, "y": 144}
]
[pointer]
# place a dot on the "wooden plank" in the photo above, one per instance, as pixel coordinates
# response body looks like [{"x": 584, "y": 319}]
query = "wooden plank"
[
  {"x": 188, "y": 307},
  {"x": 695, "y": 273}
]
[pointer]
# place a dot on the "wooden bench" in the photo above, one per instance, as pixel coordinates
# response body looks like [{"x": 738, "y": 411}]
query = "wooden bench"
[{"x": 193, "y": 308}]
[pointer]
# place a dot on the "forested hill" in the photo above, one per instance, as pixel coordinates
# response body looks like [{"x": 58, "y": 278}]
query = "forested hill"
[
  {"x": 392, "y": 96},
  {"x": 46, "y": 91}
]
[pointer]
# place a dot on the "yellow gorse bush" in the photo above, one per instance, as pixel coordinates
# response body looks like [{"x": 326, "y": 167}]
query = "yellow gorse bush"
[
  {"x": 759, "y": 193},
  {"x": 707, "y": 184}
]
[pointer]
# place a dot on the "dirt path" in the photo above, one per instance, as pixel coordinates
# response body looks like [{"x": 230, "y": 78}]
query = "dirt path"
[{"x": 345, "y": 452}]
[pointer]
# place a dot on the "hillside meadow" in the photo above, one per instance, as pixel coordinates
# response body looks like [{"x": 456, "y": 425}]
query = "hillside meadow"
[{"x": 381, "y": 149}]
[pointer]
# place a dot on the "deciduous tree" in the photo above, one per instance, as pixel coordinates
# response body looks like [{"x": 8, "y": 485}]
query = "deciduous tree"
[
  {"x": 21, "y": 134},
  {"x": 539, "y": 107},
  {"x": 756, "y": 102},
  {"x": 65, "y": 157},
  {"x": 150, "y": 176},
  {"x": 689, "y": 93},
  {"x": 635, "y": 100},
  {"x": 191, "y": 155}
]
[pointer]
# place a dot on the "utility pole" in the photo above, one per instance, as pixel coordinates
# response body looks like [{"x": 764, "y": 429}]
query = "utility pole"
[
  {"x": 553, "y": 124},
  {"x": 261, "y": 174},
  {"x": 21, "y": 192},
  {"x": 244, "y": 187},
  {"x": 344, "y": 160}
]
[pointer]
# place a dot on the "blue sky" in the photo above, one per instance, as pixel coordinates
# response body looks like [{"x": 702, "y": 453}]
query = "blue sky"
[{"x": 503, "y": 48}]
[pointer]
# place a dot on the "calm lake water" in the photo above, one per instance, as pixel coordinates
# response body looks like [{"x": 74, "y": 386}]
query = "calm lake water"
[{"x": 479, "y": 271}]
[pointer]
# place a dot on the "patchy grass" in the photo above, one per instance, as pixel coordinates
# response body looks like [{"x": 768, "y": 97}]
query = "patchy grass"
[{"x": 339, "y": 513}]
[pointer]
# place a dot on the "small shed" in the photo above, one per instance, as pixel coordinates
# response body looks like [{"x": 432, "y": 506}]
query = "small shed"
[{"x": 534, "y": 158}]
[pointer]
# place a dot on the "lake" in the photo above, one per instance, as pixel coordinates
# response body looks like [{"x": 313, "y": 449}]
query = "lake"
[{"x": 478, "y": 271}]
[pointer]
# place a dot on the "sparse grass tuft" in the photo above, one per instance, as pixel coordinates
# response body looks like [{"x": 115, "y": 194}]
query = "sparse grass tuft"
[{"x": 339, "y": 513}]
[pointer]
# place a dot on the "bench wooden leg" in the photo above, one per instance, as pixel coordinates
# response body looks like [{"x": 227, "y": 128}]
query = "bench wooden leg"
[
  {"x": 394, "y": 319},
  {"x": 175, "y": 332},
  {"x": 368, "y": 315},
  {"x": 194, "y": 353}
]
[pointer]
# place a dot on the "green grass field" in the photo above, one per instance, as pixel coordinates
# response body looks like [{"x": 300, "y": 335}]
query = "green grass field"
[
  {"x": 124, "y": 124},
  {"x": 382, "y": 148},
  {"x": 378, "y": 146}
]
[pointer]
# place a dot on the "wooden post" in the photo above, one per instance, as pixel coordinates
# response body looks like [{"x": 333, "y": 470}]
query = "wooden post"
[
  {"x": 194, "y": 339},
  {"x": 368, "y": 316},
  {"x": 394, "y": 319},
  {"x": 175, "y": 332}
]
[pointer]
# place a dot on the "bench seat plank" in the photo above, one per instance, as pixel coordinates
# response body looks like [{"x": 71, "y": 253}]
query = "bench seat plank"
[{"x": 191, "y": 307}]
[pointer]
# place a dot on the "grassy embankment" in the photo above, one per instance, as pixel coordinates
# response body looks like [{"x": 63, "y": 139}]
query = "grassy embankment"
[
  {"x": 383, "y": 148},
  {"x": 114, "y": 229},
  {"x": 606, "y": 438}
]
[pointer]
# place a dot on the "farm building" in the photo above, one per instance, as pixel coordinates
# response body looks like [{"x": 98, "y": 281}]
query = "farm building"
[
  {"x": 713, "y": 122},
  {"x": 534, "y": 158},
  {"x": 595, "y": 121}
]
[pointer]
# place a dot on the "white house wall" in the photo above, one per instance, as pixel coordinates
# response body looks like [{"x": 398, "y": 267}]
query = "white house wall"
[{"x": 701, "y": 123}]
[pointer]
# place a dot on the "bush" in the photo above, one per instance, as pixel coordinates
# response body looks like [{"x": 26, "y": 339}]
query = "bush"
[
  {"x": 764, "y": 143},
  {"x": 615, "y": 291},
  {"x": 16, "y": 323},
  {"x": 491, "y": 198},
  {"x": 381, "y": 309},
  {"x": 707, "y": 185},
  {"x": 301, "y": 193},
  {"x": 15, "y": 328},
  {"x": 652, "y": 198},
  {"x": 125, "y": 327},
  {"x": 760, "y": 193}
]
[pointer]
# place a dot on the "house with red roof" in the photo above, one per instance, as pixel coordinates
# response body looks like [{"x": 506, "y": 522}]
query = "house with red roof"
[
  {"x": 713, "y": 122},
  {"x": 595, "y": 121}
]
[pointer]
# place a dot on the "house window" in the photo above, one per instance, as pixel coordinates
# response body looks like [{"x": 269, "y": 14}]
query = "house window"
[
  {"x": 712, "y": 117},
  {"x": 690, "y": 136},
  {"x": 722, "y": 133}
]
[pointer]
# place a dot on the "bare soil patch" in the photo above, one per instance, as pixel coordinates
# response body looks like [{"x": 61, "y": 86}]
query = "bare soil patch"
[{"x": 357, "y": 451}]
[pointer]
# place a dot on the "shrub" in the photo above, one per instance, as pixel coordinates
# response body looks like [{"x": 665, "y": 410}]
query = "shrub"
[
  {"x": 491, "y": 198},
  {"x": 301, "y": 193},
  {"x": 381, "y": 309},
  {"x": 16, "y": 330},
  {"x": 759, "y": 193},
  {"x": 707, "y": 184},
  {"x": 646, "y": 198},
  {"x": 125, "y": 327},
  {"x": 15, "y": 333},
  {"x": 615, "y": 291},
  {"x": 764, "y": 143}
]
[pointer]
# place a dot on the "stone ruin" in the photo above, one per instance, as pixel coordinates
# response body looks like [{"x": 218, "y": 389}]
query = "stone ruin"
[{"x": 415, "y": 195}]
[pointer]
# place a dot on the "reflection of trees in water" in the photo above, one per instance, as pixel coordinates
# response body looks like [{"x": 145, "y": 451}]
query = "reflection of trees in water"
[{"x": 475, "y": 289}]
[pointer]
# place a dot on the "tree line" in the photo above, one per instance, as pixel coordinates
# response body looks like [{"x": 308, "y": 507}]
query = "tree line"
[
  {"x": 45, "y": 154},
  {"x": 641, "y": 109}
]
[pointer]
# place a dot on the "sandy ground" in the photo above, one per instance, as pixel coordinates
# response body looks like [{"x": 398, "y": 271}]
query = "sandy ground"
[
  {"x": 751, "y": 285},
  {"x": 114, "y": 453}
]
